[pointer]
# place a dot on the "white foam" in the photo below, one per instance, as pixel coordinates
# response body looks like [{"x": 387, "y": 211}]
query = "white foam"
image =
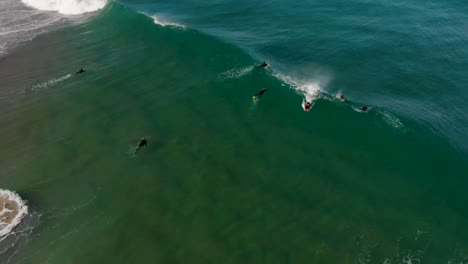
[
  {"x": 409, "y": 259},
  {"x": 392, "y": 120},
  {"x": 310, "y": 88},
  {"x": 165, "y": 23},
  {"x": 22, "y": 211},
  {"x": 51, "y": 82},
  {"x": 236, "y": 73},
  {"x": 67, "y": 7}
]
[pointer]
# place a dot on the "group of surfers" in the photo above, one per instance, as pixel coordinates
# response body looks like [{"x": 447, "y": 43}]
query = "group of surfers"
[{"x": 307, "y": 106}]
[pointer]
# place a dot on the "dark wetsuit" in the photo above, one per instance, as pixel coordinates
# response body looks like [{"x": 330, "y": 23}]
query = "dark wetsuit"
[
  {"x": 80, "y": 71},
  {"x": 263, "y": 65},
  {"x": 143, "y": 143},
  {"x": 364, "y": 108},
  {"x": 257, "y": 95}
]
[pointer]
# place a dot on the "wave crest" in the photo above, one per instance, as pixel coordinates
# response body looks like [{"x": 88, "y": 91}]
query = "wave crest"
[
  {"x": 310, "y": 89},
  {"x": 163, "y": 22}
]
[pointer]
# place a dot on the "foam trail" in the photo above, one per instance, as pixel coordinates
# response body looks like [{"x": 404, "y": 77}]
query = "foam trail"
[
  {"x": 236, "y": 73},
  {"x": 163, "y": 22},
  {"x": 12, "y": 243},
  {"x": 303, "y": 104},
  {"x": 67, "y": 7},
  {"x": 392, "y": 120},
  {"x": 13, "y": 209},
  {"x": 51, "y": 82}
]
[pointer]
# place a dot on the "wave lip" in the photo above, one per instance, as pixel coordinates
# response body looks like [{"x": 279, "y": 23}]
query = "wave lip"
[
  {"x": 163, "y": 22},
  {"x": 67, "y": 7},
  {"x": 12, "y": 210}
]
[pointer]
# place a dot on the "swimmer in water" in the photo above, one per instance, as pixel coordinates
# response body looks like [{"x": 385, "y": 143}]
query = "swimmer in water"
[
  {"x": 80, "y": 71},
  {"x": 307, "y": 106},
  {"x": 342, "y": 98},
  {"x": 365, "y": 108},
  {"x": 143, "y": 143},
  {"x": 263, "y": 65},
  {"x": 257, "y": 95}
]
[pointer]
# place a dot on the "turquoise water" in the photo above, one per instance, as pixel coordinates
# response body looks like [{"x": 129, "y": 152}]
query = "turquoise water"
[{"x": 225, "y": 179}]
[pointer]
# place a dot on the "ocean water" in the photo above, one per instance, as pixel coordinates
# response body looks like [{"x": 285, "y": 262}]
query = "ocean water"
[{"x": 225, "y": 179}]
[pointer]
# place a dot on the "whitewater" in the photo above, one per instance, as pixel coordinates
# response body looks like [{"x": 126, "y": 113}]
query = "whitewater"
[
  {"x": 21, "y": 21},
  {"x": 12, "y": 210},
  {"x": 67, "y": 7}
]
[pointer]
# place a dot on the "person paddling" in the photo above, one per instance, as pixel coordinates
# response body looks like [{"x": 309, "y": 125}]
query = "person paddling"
[
  {"x": 80, "y": 71},
  {"x": 307, "y": 106},
  {"x": 257, "y": 95},
  {"x": 143, "y": 143},
  {"x": 263, "y": 65}
]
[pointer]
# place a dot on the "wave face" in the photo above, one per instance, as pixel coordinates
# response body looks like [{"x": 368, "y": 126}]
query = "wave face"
[
  {"x": 354, "y": 55},
  {"x": 67, "y": 7}
]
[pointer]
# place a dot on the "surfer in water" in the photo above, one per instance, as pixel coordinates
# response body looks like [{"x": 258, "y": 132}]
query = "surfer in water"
[
  {"x": 80, "y": 71},
  {"x": 342, "y": 98},
  {"x": 365, "y": 108},
  {"x": 143, "y": 143},
  {"x": 263, "y": 65},
  {"x": 307, "y": 106},
  {"x": 257, "y": 95}
]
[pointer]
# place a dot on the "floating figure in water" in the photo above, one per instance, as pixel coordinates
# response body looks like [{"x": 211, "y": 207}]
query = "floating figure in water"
[
  {"x": 257, "y": 95},
  {"x": 342, "y": 98},
  {"x": 263, "y": 65},
  {"x": 80, "y": 71},
  {"x": 143, "y": 143},
  {"x": 307, "y": 106},
  {"x": 364, "y": 108}
]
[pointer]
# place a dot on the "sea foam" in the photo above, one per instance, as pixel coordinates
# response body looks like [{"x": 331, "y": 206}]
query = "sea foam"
[
  {"x": 12, "y": 210},
  {"x": 236, "y": 73},
  {"x": 165, "y": 23},
  {"x": 51, "y": 82},
  {"x": 310, "y": 89},
  {"x": 67, "y": 7}
]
